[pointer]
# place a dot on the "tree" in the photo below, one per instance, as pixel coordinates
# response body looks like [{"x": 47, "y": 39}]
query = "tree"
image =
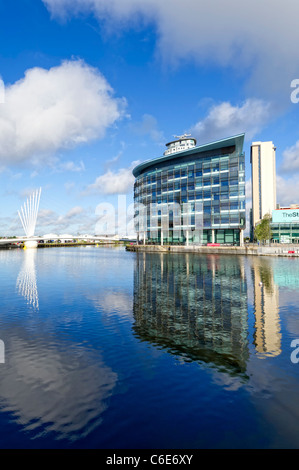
[{"x": 262, "y": 231}]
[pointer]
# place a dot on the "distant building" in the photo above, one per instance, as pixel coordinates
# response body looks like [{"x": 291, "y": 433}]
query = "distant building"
[
  {"x": 192, "y": 194},
  {"x": 285, "y": 224},
  {"x": 263, "y": 180}
]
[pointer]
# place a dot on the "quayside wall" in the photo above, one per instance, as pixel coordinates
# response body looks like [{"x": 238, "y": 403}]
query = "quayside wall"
[{"x": 289, "y": 251}]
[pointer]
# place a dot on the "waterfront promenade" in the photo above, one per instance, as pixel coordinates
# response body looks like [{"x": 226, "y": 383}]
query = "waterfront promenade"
[{"x": 254, "y": 250}]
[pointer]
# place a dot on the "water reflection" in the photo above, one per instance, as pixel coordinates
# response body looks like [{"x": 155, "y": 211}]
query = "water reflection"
[
  {"x": 197, "y": 307},
  {"x": 54, "y": 388},
  {"x": 26, "y": 281},
  {"x": 193, "y": 306},
  {"x": 50, "y": 384},
  {"x": 267, "y": 337}
]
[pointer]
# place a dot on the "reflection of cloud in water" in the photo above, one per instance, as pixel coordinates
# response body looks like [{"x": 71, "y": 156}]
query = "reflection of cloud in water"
[
  {"x": 26, "y": 281},
  {"x": 113, "y": 302},
  {"x": 48, "y": 390}
]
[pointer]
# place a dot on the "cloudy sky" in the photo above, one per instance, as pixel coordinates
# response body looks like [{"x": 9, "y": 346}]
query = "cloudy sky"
[{"x": 92, "y": 87}]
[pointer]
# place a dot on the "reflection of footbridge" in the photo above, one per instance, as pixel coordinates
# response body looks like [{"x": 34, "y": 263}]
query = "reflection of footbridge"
[{"x": 26, "y": 281}]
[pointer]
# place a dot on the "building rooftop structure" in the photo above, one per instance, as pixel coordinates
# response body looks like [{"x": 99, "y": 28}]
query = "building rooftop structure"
[
  {"x": 182, "y": 142},
  {"x": 236, "y": 141}
]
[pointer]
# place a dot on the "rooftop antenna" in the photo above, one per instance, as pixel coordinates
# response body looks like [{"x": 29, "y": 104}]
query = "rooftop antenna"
[{"x": 182, "y": 136}]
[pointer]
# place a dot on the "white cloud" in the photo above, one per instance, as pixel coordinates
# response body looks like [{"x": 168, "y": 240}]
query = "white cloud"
[
  {"x": 72, "y": 213},
  {"x": 75, "y": 220},
  {"x": 70, "y": 166},
  {"x": 287, "y": 190},
  {"x": 55, "y": 109},
  {"x": 259, "y": 39},
  {"x": 114, "y": 182},
  {"x": 291, "y": 159},
  {"x": 225, "y": 120}
]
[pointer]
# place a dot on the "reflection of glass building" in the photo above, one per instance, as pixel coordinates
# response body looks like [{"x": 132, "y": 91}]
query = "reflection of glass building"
[
  {"x": 194, "y": 308},
  {"x": 206, "y": 182}
]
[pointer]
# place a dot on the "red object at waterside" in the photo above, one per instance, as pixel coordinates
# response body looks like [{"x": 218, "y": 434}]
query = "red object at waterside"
[
  {"x": 291, "y": 252},
  {"x": 213, "y": 244}
]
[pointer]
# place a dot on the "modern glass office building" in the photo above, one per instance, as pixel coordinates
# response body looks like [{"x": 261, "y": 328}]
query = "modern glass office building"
[{"x": 193, "y": 194}]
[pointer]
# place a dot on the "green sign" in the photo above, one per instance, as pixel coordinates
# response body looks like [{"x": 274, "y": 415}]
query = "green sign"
[{"x": 285, "y": 216}]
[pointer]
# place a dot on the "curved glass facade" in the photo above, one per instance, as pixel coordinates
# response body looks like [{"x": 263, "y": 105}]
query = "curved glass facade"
[{"x": 196, "y": 196}]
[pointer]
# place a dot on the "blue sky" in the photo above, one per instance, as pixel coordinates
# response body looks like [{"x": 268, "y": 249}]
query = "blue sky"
[{"x": 94, "y": 86}]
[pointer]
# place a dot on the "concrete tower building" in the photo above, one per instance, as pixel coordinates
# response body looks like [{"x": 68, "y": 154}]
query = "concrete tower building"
[{"x": 263, "y": 180}]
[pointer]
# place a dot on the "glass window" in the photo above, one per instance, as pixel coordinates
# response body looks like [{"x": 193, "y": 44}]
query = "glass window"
[
  {"x": 233, "y": 172},
  {"x": 234, "y": 205},
  {"x": 229, "y": 236}
]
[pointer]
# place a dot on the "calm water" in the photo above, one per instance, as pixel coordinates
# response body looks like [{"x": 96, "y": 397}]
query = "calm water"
[{"x": 110, "y": 349}]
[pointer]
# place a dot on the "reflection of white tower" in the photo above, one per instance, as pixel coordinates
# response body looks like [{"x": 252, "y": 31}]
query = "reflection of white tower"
[
  {"x": 26, "y": 282},
  {"x": 28, "y": 216},
  {"x": 266, "y": 302}
]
